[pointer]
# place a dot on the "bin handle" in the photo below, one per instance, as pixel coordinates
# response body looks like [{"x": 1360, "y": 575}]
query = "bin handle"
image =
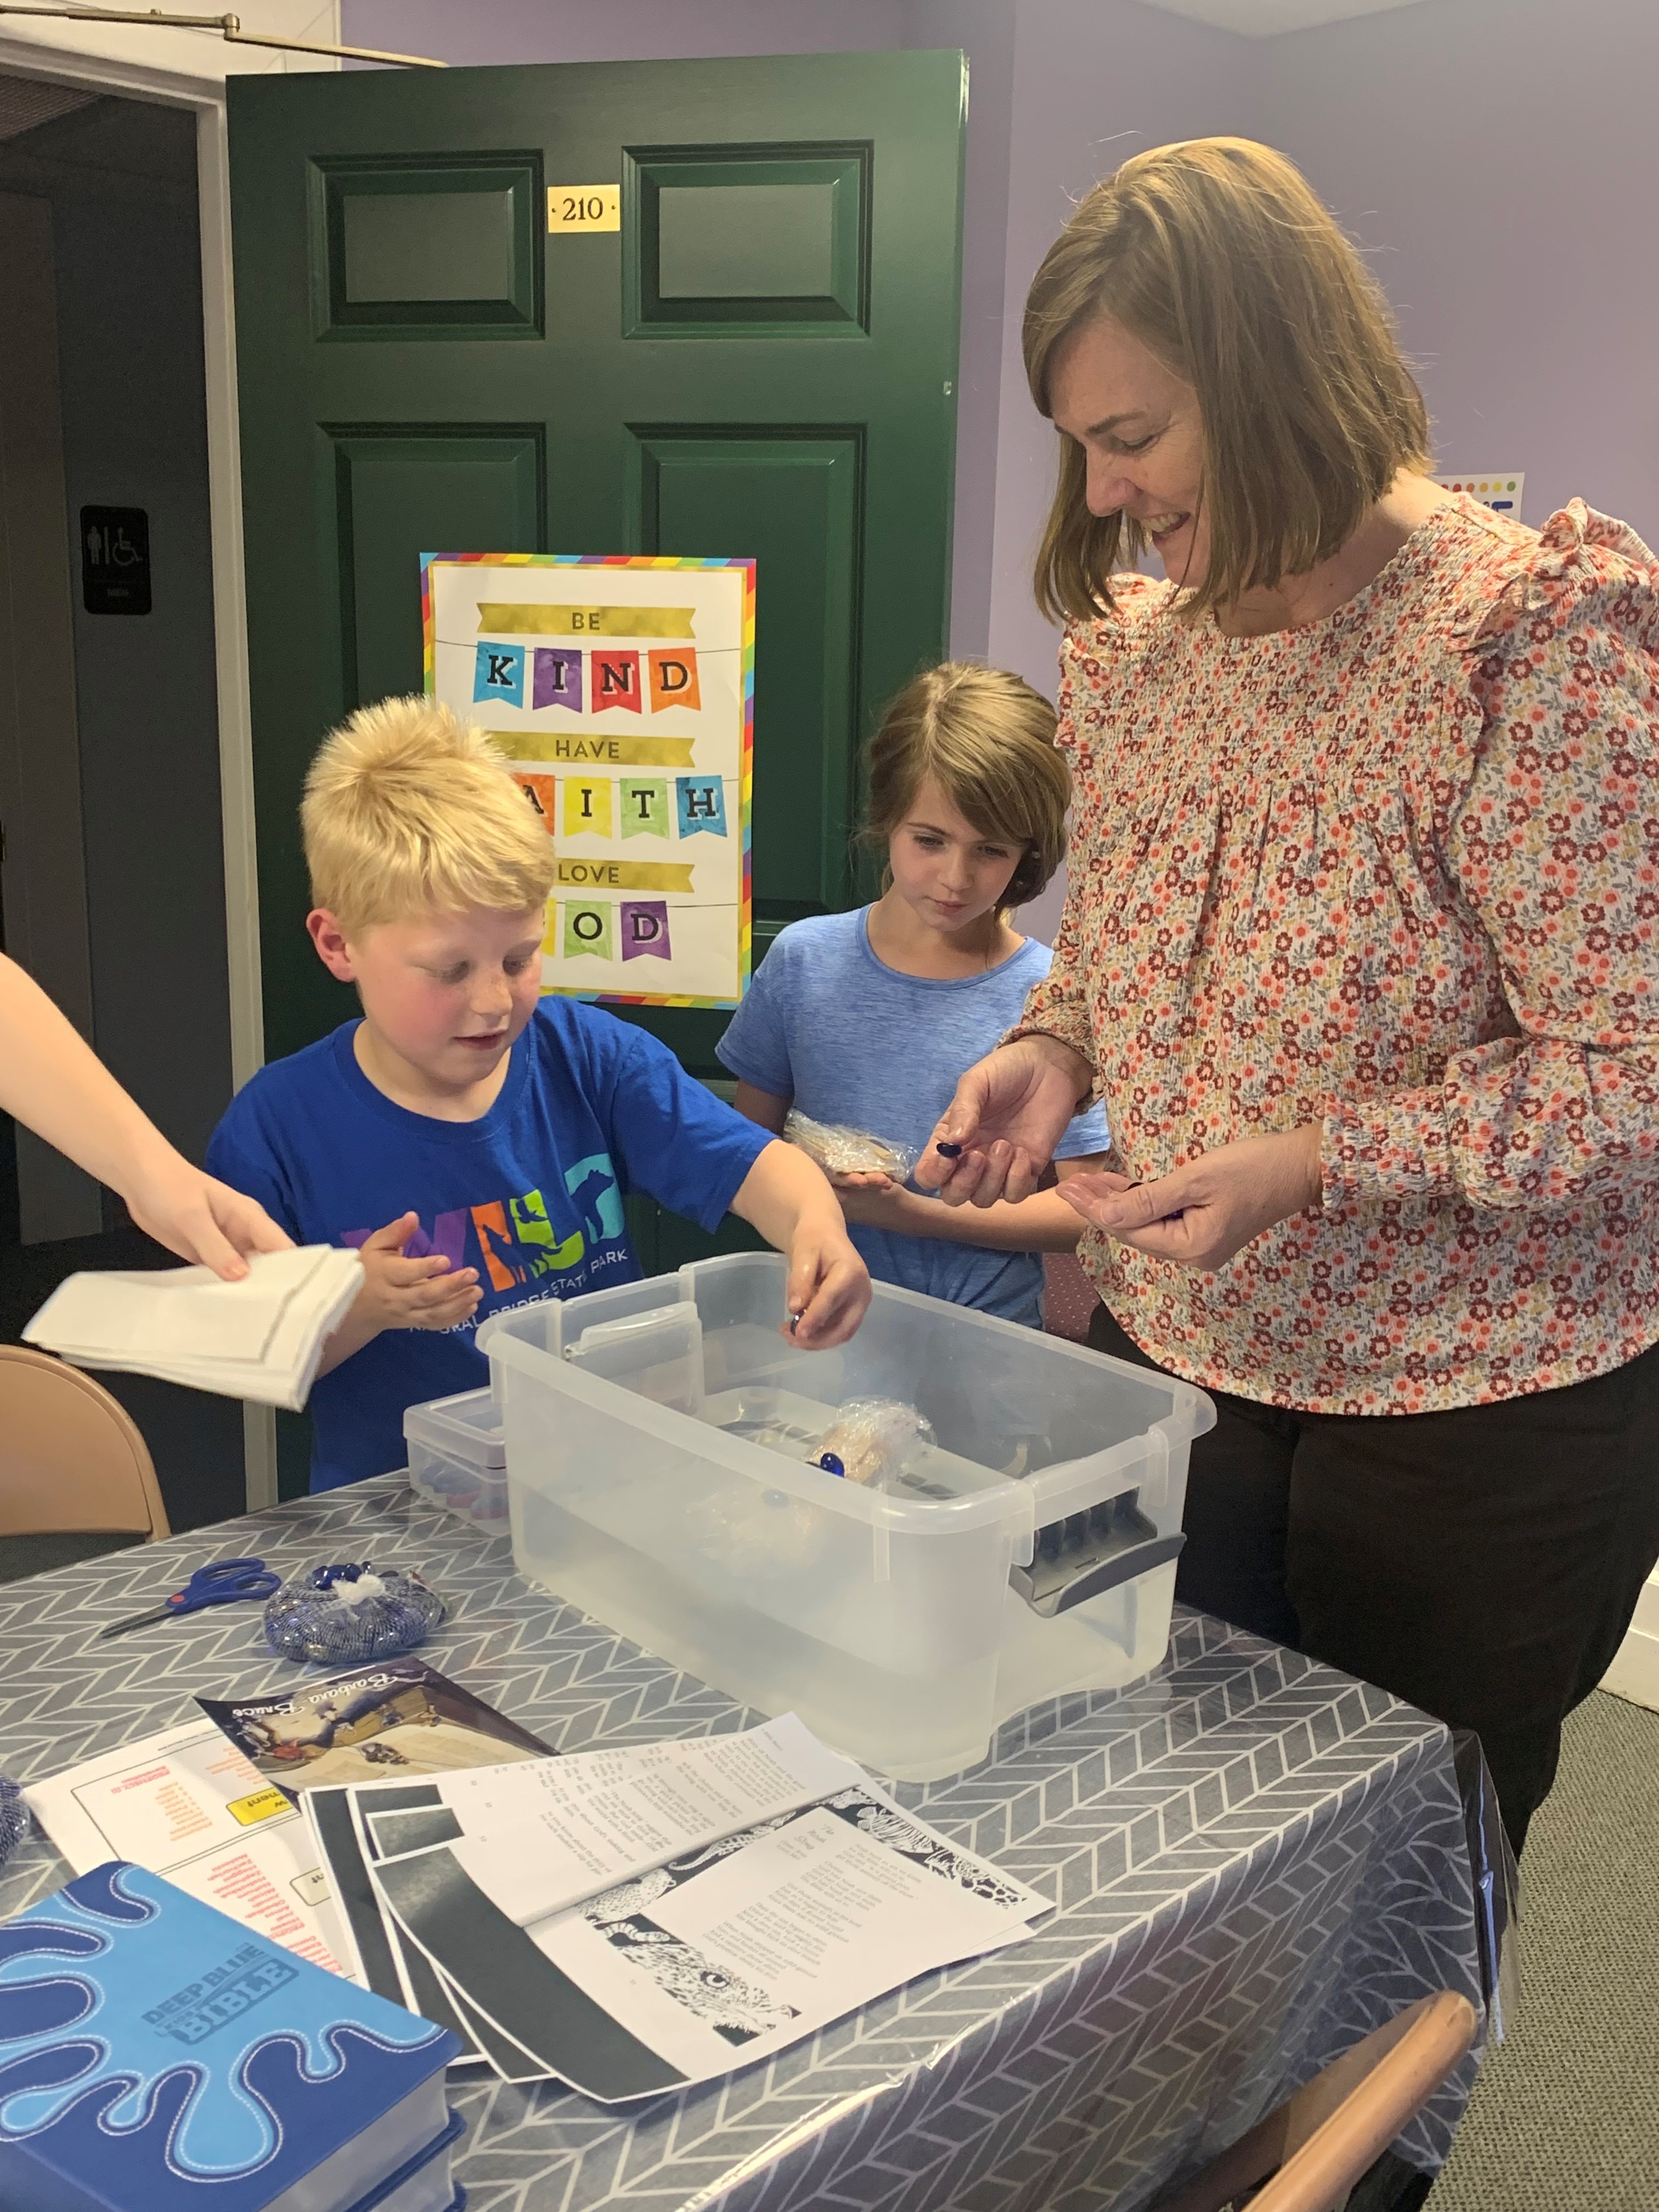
[
  {"x": 1157, "y": 1551},
  {"x": 1077, "y": 1558}
]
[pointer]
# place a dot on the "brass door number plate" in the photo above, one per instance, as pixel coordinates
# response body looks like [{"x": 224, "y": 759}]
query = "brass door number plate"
[{"x": 584, "y": 207}]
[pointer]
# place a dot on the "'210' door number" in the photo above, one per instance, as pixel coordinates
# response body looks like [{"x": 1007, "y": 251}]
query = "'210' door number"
[{"x": 584, "y": 207}]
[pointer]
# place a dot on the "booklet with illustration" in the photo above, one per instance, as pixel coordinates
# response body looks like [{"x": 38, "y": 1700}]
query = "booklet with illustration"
[
  {"x": 202, "y": 1804},
  {"x": 393, "y": 1719}
]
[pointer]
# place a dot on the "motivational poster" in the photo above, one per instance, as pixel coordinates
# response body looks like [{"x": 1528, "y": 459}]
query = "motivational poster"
[{"x": 621, "y": 688}]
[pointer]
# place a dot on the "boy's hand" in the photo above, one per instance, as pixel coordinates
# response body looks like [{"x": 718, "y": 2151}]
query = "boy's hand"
[
  {"x": 399, "y": 1293},
  {"x": 828, "y": 1287},
  {"x": 786, "y": 1197}
]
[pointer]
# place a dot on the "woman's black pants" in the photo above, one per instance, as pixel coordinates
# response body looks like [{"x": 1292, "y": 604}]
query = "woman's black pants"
[{"x": 1483, "y": 1563}]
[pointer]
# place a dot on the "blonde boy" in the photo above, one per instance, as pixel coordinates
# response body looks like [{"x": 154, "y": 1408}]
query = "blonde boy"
[{"x": 474, "y": 1141}]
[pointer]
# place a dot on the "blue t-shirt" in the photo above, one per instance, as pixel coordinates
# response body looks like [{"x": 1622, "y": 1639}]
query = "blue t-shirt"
[
  {"x": 530, "y": 1194},
  {"x": 852, "y": 1040}
]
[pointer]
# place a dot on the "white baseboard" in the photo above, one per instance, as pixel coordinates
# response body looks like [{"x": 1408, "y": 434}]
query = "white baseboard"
[{"x": 1635, "y": 1673}]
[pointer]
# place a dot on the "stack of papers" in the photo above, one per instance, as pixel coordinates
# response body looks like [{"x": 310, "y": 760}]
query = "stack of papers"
[
  {"x": 212, "y": 1802},
  {"x": 633, "y": 1921},
  {"x": 261, "y": 1338}
]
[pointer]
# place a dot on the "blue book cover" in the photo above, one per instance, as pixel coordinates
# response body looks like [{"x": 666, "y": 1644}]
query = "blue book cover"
[{"x": 149, "y": 2045}]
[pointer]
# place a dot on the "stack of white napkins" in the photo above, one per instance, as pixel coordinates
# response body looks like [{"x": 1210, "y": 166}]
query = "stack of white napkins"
[{"x": 261, "y": 1338}]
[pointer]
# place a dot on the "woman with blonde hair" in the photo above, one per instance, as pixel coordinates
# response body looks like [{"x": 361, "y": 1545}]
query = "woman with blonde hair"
[{"x": 1360, "y": 953}]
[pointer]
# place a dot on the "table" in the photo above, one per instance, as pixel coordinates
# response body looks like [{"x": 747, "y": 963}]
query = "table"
[{"x": 1256, "y": 1860}]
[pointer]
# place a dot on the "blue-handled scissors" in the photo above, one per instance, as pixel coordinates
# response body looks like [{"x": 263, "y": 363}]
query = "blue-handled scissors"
[{"x": 223, "y": 1583}]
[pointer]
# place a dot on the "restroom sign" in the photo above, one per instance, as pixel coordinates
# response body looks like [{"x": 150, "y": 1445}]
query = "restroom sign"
[
  {"x": 115, "y": 560},
  {"x": 620, "y": 689}
]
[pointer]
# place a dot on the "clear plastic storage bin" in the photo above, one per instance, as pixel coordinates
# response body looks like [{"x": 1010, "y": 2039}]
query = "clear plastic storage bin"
[
  {"x": 458, "y": 1455},
  {"x": 658, "y": 1437}
]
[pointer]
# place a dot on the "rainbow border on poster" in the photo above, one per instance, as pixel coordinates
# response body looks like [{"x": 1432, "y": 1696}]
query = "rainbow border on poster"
[{"x": 746, "y": 767}]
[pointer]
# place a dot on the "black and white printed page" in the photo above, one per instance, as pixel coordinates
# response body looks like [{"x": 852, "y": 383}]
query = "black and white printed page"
[
  {"x": 723, "y": 1955},
  {"x": 539, "y": 1838}
]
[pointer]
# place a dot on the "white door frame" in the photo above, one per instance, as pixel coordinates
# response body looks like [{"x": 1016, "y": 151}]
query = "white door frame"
[{"x": 206, "y": 98}]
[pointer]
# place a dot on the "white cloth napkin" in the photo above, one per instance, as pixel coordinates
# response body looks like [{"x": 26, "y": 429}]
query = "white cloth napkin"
[{"x": 261, "y": 1338}]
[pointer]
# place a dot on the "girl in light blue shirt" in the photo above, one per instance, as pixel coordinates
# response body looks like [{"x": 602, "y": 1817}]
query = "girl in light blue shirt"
[{"x": 870, "y": 1017}]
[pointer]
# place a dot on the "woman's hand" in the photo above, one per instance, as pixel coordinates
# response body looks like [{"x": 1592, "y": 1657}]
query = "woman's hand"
[
  {"x": 1009, "y": 1113},
  {"x": 1204, "y": 1212},
  {"x": 197, "y": 1218}
]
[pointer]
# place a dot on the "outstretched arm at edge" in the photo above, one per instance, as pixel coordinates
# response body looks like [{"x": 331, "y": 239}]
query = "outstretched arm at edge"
[{"x": 52, "y": 1082}]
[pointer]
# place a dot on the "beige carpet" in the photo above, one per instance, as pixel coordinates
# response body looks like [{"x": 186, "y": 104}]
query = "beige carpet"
[{"x": 1566, "y": 2115}]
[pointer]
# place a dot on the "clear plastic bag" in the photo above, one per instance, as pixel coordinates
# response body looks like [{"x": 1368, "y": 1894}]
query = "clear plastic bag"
[
  {"x": 840, "y": 1150},
  {"x": 870, "y": 1439}
]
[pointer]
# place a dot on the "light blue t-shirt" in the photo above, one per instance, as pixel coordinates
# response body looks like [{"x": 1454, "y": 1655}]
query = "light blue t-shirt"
[{"x": 852, "y": 1040}]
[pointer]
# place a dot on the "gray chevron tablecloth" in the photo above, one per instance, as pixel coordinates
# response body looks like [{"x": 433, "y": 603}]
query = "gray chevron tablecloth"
[{"x": 1255, "y": 1861}]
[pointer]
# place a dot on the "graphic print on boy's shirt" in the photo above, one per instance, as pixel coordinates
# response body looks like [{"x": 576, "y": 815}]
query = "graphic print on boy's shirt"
[
  {"x": 514, "y": 1241},
  {"x": 531, "y": 1195}
]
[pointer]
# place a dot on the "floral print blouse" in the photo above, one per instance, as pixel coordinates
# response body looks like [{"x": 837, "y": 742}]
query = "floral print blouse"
[{"x": 1396, "y": 871}]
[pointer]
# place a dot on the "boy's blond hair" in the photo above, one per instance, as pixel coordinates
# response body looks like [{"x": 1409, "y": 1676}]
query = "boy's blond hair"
[
  {"x": 409, "y": 812},
  {"x": 988, "y": 739}
]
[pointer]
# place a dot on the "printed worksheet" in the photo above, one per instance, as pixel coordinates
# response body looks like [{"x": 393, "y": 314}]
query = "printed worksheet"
[
  {"x": 541, "y": 1837},
  {"x": 186, "y": 1804}
]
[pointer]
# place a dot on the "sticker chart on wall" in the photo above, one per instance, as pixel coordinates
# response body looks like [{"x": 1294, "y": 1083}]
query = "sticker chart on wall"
[
  {"x": 1498, "y": 489},
  {"x": 620, "y": 688}
]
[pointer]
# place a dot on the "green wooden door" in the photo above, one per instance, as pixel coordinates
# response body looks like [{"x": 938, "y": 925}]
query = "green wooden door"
[{"x": 761, "y": 360}]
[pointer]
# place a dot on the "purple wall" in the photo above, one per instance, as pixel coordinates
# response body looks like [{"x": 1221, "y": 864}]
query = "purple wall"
[
  {"x": 484, "y": 32},
  {"x": 1094, "y": 82},
  {"x": 1500, "y": 159},
  {"x": 984, "y": 29}
]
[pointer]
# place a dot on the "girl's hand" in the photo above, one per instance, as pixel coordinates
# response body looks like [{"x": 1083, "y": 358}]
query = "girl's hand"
[
  {"x": 878, "y": 1202},
  {"x": 399, "y": 1293},
  {"x": 1009, "y": 1113},
  {"x": 827, "y": 1293},
  {"x": 861, "y": 1179},
  {"x": 1202, "y": 1213}
]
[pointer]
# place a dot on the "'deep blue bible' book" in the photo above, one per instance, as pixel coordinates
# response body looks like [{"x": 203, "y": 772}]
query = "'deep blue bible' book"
[{"x": 155, "y": 2054}]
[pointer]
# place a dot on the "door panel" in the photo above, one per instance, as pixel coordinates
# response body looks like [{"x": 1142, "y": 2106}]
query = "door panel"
[
  {"x": 796, "y": 500},
  {"x": 482, "y": 483},
  {"x": 763, "y": 237},
  {"x": 760, "y": 360},
  {"x": 444, "y": 249}
]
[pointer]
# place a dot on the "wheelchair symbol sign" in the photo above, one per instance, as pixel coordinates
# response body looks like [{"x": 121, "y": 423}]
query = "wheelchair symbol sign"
[{"x": 115, "y": 560}]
